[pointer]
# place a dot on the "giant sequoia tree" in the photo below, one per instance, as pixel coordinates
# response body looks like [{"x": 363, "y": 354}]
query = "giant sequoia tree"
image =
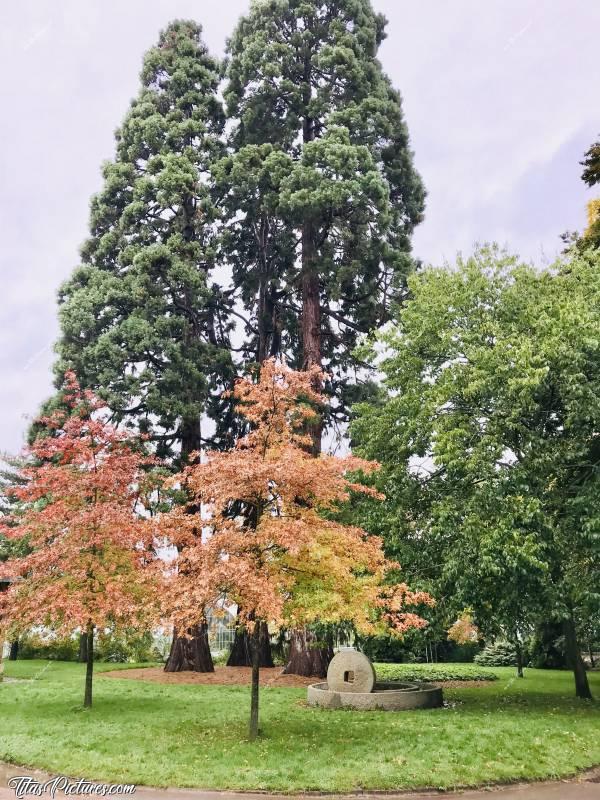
[
  {"x": 141, "y": 320},
  {"x": 323, "y": 192}
]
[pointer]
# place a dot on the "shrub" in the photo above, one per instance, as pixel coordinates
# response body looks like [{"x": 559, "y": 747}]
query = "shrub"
[
  {"x": 123, "y": 647},
  {"x": 432, "y": 672},
  {"x": 49, "y": 646},
  {"x": 498, "y": 654}
]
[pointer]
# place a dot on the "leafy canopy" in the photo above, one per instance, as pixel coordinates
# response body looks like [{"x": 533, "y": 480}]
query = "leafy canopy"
[
  {"x": 261, "y": 541},
  {"x": 77, "y": 511},
  {"x": 488, "y": 437}
]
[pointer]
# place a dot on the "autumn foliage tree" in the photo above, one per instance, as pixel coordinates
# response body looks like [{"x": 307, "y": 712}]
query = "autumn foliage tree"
[
  {"x": 77, "y": 510},
  {"x": 261, "y": 541}
]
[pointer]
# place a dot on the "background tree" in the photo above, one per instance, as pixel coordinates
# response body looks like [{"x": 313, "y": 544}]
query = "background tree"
[
  {"x": 280, "y": 561},
  {"x": 10, "y": 510},
  {"x": 590, "y": 176},
  {"x": 86, "y": 567},
  {"x": 591, "y": 165},
  {"x": 488, "y": 437},
  {"x": 142, "y": 320}
]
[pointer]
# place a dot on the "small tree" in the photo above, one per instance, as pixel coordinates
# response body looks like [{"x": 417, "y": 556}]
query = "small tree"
[
  {"x": 261, "y": 541},
  {"x": 78, "y": 513}
]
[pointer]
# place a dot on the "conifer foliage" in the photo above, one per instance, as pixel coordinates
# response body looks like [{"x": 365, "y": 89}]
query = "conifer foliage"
[
  {"x": 141, "y": 320},
  {"x": 77, "y": 512},
  {"x": 262, "y": 541},
  {"x": 322, "y": 188}
]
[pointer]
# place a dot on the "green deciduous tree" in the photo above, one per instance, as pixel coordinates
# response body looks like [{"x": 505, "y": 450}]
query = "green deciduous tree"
[{"x": 489, "y": 439}]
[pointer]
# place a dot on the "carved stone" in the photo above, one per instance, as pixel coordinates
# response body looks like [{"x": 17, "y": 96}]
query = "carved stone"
[{"x": 350, "y": 671}]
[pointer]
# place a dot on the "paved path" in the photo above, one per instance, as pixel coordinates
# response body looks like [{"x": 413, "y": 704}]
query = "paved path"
[{"x": 586, "y": 787}]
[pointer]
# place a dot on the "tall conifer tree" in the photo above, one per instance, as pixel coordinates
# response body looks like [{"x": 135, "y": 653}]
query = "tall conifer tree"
[
  {"x": 323, "y": 176},
  {"x": 142, "y": 322},
  {"x": 322, "y": 192}
]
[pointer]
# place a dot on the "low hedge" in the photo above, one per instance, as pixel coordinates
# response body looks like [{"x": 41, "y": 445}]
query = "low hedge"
[{"x": 433, "y": 672}]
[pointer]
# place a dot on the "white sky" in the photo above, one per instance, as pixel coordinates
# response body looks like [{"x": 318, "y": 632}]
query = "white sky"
[{"x": 501, "y": 100}]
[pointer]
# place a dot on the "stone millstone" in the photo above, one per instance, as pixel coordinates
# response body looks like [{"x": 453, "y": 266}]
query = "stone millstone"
[{"x": 350, "y": 671}]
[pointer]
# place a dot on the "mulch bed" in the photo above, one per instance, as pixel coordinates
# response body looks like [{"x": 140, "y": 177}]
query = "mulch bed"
[
  {"x": 224, "y": 676},
  {"x": 238, "y": 676}
]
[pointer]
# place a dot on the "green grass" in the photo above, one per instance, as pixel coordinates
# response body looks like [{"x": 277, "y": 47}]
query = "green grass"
[
  {"x": 161, "y": 735},
  {"x": 434, "y": 672}
]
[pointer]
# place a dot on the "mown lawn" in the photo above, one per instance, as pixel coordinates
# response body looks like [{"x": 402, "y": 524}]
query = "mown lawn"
[{"x": 196, "y": 735}]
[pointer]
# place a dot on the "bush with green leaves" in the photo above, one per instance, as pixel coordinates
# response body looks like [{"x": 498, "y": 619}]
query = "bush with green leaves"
[
  {"x": 432, "y": 672},
  {"x": 126, "y": 646},
  {"x": 498, "y": 654},
  {"x": 53, "y": 648}
]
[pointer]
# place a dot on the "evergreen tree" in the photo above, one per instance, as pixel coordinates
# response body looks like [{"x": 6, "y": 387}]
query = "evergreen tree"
[
  {"x": 322, "y": 174},
  {"x": 591, "y": 165},
  {"x": 141, "y": 322},
  {"x": 591, "y": 176},
  {"x": 321, "y": 196}
]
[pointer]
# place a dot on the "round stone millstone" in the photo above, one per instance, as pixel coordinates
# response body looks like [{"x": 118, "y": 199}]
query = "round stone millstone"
[{"x": 350, "y": 671}]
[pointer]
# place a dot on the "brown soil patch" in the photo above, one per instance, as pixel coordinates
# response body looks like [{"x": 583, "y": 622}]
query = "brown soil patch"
[
  {"x": 224, "y": 676},
  {"x": 239, "y": 676}
]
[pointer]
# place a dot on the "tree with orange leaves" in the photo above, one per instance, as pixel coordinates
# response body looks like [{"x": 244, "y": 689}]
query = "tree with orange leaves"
[
  {"x": 260, "y": 540},
  {"x": 78, "y": 513}
]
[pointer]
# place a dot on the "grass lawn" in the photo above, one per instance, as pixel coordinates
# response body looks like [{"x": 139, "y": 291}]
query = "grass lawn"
[{"x": 163, "y": 735}]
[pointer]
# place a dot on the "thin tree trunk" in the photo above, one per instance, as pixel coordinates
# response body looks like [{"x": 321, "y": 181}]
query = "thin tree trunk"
[
  {"x": 241, "y": 649},
  {"x": 519, "y": 652},
  {"x": 89, "y": 669},
  {"x": 14, "y": 650},
  {"x": 582, "y": 686},
  {"x": 83, "y": 648},
  {"x": 255, "y": 640},
  {"x": 591, "y": 651},
  {"x": 190, "y": 653}
]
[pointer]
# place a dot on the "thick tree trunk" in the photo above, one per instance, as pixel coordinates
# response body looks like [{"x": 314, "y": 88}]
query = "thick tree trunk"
[
  {"x": 308, "y": 657},
  {"x": 83, "y": 648},
  {"x": 241, "y": 650},
  {"x": 190, "y": 654},
  {"x": 89, "y": 669},
  {"x": 582, "y": 686},
  {"x": 255, "y": 646},
  {"x": 191, "y": 438},
  {"x": 14, "y": 650},
  {"x": 311, "y": 322}
]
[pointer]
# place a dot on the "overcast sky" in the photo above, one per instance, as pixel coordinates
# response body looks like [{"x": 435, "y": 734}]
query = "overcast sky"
[{"x": 501, "y": 100}]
